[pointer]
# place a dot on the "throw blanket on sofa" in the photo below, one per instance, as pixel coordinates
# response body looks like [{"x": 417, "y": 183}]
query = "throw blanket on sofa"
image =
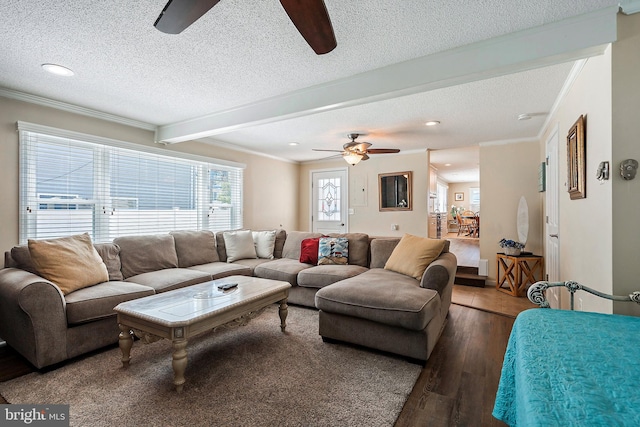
[{"x": 571, "y": 368}]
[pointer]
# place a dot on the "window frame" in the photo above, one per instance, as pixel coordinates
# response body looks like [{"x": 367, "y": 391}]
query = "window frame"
[{"x": 102, "y": 148}]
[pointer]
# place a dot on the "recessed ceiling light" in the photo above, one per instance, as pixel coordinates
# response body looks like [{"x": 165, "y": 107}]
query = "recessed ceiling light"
[
  {"x": 432, "y": 123},
  {"x": 524, "y": 116},
  {"x": 293, "y": 143},
  {"x": 447, "y": 164},
  {"x": 58, "y": 70}
]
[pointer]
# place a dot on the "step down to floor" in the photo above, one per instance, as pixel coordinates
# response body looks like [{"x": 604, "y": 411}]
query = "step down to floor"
[{"x": 468, "y": 276}]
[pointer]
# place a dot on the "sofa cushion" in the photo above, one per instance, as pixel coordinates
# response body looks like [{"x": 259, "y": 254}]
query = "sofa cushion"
[
  {"x": 309, "y": 251},
  {"x": 97, "y": 302},
  {"x": 251, "y": 264},
  {"x": 382, "y": 247},
  {"x": 22, "y": 258},
  {"x": 110, "y": 254},
  {"x": 195, "y": 247},
  {"x": 281, "y": 237},
  {"x": 293, "y": 243},
  {"x": 323, "y": 275},
  {"x": 413, "y": 254},
  {"x": 381, "y": 296},
  {"x": 265, "y": 243},
  {"x": 333, "y": 251},
  {"x": 220, "y": 269},
  {"x": 284, "y": 269},
  {"x": 170, "y": 278},
  {"x": 143, "y": 254},
  {"x": 239, "y": 245},
  {"x": 70, "y": 262},
  {"x": 358, "y": 248}
]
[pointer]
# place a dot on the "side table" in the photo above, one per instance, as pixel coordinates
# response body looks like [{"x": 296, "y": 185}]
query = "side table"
[{"x": 516, "y": 272}]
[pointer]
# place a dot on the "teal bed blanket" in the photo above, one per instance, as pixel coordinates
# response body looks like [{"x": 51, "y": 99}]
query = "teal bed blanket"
[{"x": 571, "y": 368}]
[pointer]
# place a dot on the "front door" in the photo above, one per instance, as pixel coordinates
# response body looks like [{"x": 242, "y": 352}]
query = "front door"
[
  {"x": 552, "y": 254},
  {"x": 329, "y": 192}
]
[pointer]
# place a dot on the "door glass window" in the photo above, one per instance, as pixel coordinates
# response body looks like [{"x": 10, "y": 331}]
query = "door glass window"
[{"x": 329, "y": 199}]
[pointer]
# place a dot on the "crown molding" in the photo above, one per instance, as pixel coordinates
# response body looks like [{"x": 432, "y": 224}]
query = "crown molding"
[
  {"x": 568, "y": 83},
  {"x": 508, "y": 141},
  {"x": 71, "y": 108},
  {"x": 630, "y": 7}
]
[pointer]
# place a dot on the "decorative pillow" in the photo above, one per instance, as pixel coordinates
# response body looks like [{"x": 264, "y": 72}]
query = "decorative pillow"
[
  {"x": 333, "y": 250},
  {"x": 265, "y": 243},
  {"x": 413, "y": 255},
  {"x": 71, "y": 263},
  {"x": 239, "y": 245},
  {"x": 309, "y": 251}
]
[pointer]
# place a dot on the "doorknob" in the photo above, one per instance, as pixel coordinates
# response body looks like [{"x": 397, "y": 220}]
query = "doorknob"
[
  {"x": 342, "y": 225},
  {"x": 553, "y": 235}
]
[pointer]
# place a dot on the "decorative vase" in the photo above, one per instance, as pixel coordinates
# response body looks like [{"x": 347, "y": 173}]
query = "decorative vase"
[{"x": 512, "y": 251}]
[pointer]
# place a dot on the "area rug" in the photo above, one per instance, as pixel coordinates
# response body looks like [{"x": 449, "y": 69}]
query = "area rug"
[{"x": 253, "y": 375}]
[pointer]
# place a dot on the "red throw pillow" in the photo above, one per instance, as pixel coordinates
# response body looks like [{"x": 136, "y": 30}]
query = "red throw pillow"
[{"x": 309, "y": 250}]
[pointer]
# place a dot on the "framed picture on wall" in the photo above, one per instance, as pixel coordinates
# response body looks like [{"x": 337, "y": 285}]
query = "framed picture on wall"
[
  {"x": 459, "y": 197},
  {"x": 576, "y": 180}
]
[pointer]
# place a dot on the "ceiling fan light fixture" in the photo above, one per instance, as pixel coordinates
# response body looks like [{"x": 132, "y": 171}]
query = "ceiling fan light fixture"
[{"x": 352, "y": 158}]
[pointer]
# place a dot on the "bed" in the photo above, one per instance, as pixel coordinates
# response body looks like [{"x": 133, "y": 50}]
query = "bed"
[{"x": 571, "y": 368}]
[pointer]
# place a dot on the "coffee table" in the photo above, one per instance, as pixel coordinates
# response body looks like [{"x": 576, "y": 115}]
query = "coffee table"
[{"x": 183, "y": 313}]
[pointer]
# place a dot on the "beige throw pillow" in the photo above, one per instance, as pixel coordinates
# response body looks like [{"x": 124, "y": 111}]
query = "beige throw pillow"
[
  {"x": 239, "y": 245},
  {"x": 413, "y": 255},
  {"x": 71, "y": 263},
  {"x": 265, "y": 243}
]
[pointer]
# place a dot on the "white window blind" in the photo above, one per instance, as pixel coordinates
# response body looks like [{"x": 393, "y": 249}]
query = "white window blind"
[
  {"x": 72, "y": 183},
  {"x": 474, "y": 199}
]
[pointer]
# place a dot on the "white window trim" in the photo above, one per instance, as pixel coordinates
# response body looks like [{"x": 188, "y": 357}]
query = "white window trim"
[
  {"x": 63, "y": 133},
  {"x": 80, "y": 139}
]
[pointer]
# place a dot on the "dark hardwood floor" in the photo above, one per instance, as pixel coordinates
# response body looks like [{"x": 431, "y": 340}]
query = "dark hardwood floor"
[{"x": 457, "y": 386}]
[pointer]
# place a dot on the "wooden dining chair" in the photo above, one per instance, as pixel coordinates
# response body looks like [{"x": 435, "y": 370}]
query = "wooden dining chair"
[
  {"x": 463, "y": 224},
  {"x": 467, "y": 223}
]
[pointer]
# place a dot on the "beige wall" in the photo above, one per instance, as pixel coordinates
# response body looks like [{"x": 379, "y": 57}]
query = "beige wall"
[
  {"x": 625, "y": 203},
  {"x": 460, "y": 187},
  {"x": 585, "y": 224},
  {"x": 508, "y": 172},
  {"x": 270, "y": 186},
  {"x": 368, "y": 219}
]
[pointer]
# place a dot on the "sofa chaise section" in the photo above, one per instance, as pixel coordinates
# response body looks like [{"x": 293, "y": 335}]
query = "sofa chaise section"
[{"x": 386, "y": 310}]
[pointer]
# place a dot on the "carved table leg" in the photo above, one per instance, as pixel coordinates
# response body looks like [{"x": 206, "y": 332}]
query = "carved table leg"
[
  {"x": 125, "y": 342},
  {"x": 283, "y": 313},
  {"x": 179, "y": 363}
]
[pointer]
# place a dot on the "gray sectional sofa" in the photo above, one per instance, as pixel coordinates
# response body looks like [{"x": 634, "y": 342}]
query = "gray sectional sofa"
[{"x": 361, "y": 302}]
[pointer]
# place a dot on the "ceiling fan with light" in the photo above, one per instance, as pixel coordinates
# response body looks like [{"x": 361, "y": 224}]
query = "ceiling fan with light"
[
  {"x": 353, "y": 152},
  {"x": 309, "y": 16}
]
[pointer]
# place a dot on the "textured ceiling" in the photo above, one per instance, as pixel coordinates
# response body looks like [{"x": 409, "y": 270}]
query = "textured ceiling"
[{"x": 244, "y": 51}]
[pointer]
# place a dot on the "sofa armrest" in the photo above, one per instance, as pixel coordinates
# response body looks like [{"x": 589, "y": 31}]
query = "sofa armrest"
[
  {"x": 441, "y": 273},
  {"x": 33, "y": 317}
]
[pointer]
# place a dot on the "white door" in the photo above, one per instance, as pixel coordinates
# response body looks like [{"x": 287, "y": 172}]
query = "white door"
[
  {"x": 552, "y": 255},
  {"x": 329, "y": 192}
]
